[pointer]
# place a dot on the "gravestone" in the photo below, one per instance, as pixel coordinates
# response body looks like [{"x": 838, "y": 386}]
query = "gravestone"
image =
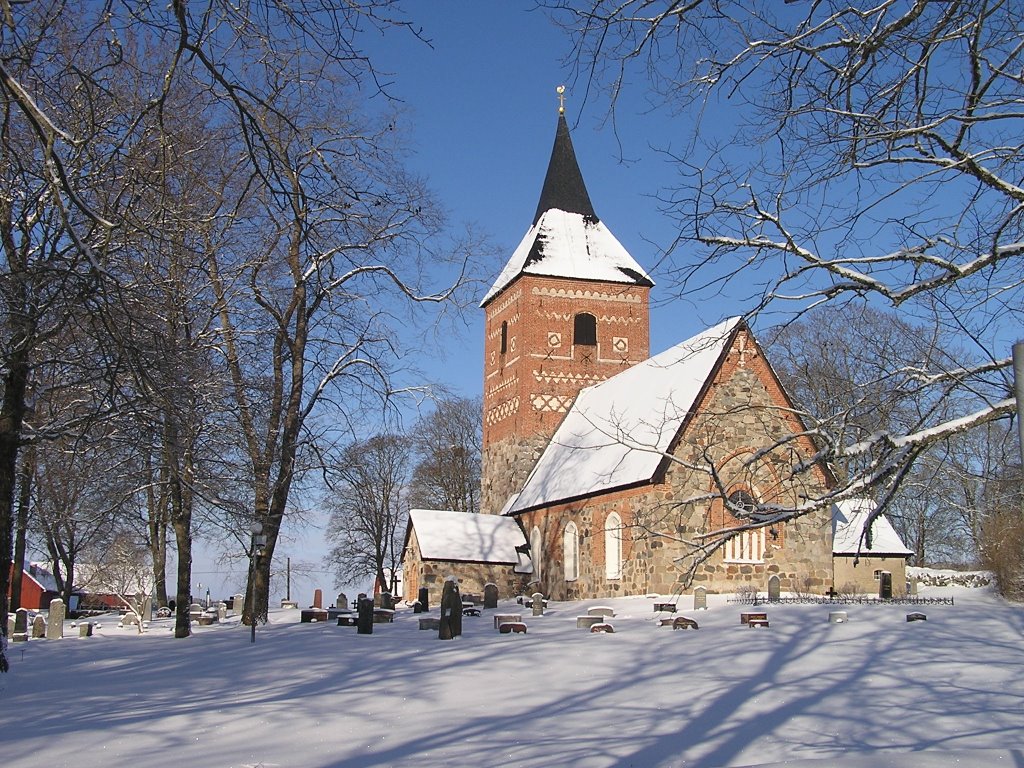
[
  {"x": 424, "y": 599},
  {"x": 222, "y": 611},
  {"x": 38, "y": 627},
  {"x": 490, "y": 596},
  {"x": 20, "y": 633},
  {"x": 147, "y": 609},
  {"x": 376, "y": 600},
  {"x": 342, "y": 601},
  {"x": 318, "y": 598},
  {"x": 364, "y": 623},
  {"x": 774, "y": 587},
  {"x": 913, "y": 586},
  {"x": 700, "y": 599},
  {"x": 10, "y": 625},
  {"x": 387, "y": 601},
  {"x": 538, "y": 604},
  {"x": 451, "y": 611},
  {"x": 85, "y": 629},
  {"x": 238, "y": 603},
  {"x": 885, "y": 585},
  {"x": 55, "y": 626}
]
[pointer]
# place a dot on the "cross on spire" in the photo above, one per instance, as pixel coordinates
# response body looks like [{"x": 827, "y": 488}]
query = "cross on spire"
[{"x": 560, "y": 90}]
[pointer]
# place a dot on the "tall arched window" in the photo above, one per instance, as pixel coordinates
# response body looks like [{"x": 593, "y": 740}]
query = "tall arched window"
[
  {"x": 584, "y": 330},
  {"x": 745, "y": 546},
  {"x": 613, "y": 546},
  {"x": 536, "y": 552},
  {"x": 571, "y": 552}
]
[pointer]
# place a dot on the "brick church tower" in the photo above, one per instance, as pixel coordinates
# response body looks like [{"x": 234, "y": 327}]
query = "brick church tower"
[{"x": 569, "y": 309}]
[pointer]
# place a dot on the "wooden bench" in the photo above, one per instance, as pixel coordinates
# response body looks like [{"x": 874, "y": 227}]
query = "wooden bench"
[
  {"x": 512, "y": 626},
  {"x": 684, "y": 622},
  {"x": 754, "y": 619},
  {"x": 667, "y": 607}
]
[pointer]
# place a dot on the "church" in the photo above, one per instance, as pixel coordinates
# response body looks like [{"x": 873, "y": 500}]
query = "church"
[{"x": 606, "y": 471}]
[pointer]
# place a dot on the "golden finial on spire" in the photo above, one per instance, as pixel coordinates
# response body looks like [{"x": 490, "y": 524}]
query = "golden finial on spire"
[{"x": 560, "y": 90}]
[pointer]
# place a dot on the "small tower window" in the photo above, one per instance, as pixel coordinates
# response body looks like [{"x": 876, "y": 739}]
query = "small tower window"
[
  {"x": 584, "y": 330},
  {"x": 504, "y": 336}
]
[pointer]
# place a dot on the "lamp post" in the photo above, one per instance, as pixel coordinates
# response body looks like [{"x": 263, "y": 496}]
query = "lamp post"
[{"x": 255, "y": 551}]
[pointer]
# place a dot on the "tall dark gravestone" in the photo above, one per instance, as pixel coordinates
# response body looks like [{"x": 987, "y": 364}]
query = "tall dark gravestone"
[
  {"x": 451, "y": 612},
  {"x": 424, "y": 599},
  {"x": 364, "y": 622}
]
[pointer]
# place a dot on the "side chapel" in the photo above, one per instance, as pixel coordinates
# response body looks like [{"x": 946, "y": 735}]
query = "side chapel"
[{"x": 613, "y": 464}]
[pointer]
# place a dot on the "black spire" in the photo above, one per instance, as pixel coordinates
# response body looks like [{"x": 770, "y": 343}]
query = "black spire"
[{"x": 563, "y": 186}]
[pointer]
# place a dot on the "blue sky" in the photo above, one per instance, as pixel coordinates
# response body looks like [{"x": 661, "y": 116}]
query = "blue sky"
[{"x": 483, "y": 108}]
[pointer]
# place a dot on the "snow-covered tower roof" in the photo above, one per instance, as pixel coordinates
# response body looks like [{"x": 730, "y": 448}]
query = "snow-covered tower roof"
[{"x": 567, "y": 239}]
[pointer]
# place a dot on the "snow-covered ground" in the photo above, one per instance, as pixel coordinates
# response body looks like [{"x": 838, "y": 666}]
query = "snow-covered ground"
[{"x": 876, "y": 691}]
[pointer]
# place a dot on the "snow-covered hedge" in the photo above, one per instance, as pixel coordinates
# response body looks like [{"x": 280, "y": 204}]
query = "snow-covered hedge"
[{"x": 933, "y": 577}]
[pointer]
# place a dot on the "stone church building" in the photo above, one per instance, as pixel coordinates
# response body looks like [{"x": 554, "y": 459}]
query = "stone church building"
[{"x": 620, "y": 469}]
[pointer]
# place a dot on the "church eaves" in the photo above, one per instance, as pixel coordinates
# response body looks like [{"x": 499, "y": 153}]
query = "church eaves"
[{"x": 567, "y": 239}]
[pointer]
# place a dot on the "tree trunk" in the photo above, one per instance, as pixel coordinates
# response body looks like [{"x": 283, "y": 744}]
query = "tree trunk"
[{"x": 21, "y": 531}]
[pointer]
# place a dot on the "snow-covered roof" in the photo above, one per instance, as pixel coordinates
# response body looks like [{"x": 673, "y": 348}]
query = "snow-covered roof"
[
  {"x": 40, "y": 573},
  {"x": 848, "y": 519},
  {"x": 570, "y": 245},
  {"x": 617, "y": 431},
  {"x": 466, "y": 536}
]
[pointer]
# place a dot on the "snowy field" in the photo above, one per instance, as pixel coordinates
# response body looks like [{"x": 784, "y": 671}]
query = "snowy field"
[{"x": 877, "y": 691}]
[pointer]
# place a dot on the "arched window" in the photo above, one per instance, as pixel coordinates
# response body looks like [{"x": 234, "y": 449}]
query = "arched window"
[
  {"x": 571, "y": 552},
  {"x": 536, "y": 552},
  {"x": 584, "y": 330},
  {"x": 504, "y": 336},
  {"x": 745, "y": 546},
  {"x": 613, "y": 546}
]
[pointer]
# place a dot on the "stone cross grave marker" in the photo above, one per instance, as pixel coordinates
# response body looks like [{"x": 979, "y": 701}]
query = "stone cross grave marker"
[
  {"x": 700, "y": 599},
  {"x": 490, "y": 596},
  {"x": 55, "y": 627}
]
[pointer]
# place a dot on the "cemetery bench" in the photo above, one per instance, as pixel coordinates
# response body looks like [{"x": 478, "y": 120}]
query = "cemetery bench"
[
  {"x": 431, "y": 622},
  {"x": 667, "y": 607},
  {"x": 916, "y": 616},
  {"x": 310, "y": 615},
  {"x": 501, "y": 618},
  {"x": 507, "y": 627},
  {"x": 602, "y": 628},
  {"x": 754, "y": 619},
  {"x": 347, "y": 620},
  {"x": 684, "y": 622}
]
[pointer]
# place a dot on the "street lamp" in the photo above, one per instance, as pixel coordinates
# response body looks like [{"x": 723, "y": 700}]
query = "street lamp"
[{"x": 259, "y": 540}]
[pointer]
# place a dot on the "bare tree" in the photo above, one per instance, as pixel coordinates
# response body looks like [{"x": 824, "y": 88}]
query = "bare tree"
[
  {"x": 369, "y": 506},
  {"x": 448, "y": 442},
  {"x": 876, "y": 153}
]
